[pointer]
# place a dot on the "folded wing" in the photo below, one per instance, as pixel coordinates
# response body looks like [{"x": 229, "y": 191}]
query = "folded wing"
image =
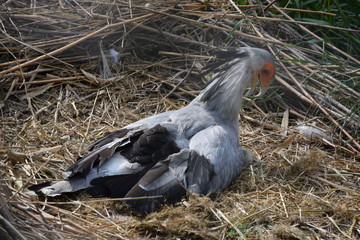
[
  {"x": 168, "y": 180},
  {"x": 115, "y": 164}
]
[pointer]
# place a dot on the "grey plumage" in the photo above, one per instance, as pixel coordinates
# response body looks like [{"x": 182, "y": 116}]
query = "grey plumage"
[{"x": 195, "y": 148}]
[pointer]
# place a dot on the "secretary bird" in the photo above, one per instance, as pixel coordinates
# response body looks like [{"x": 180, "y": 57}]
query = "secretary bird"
[{"x": 194, "y": 148}]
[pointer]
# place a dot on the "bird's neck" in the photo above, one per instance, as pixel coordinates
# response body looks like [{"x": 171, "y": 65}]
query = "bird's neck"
[{"x": 225, "y": 94}]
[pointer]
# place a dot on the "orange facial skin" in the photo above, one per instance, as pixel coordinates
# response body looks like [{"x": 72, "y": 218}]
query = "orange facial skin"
[{"x": 266, "y": 73}]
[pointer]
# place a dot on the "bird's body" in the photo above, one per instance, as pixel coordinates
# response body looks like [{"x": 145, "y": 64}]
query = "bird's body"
[{"x": 195, "y": 148}]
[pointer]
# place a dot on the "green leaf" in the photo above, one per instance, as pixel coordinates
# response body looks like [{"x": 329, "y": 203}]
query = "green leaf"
[{"x": 312, "y": 20}]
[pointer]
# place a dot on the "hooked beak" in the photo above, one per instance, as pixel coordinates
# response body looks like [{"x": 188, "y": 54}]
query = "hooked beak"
[
  {"x": 263, "y": 86},
  {"x": 263, "y": 90},
  {"x": 265, "y": 75},
  {"x": 253, "y": 84}
]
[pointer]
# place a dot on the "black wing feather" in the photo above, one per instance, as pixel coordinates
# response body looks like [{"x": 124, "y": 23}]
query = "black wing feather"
[
  {"x": 115, "y": 186},
  {"x": 168, "y": 179},
  {"x": 108, "y": 139},
  {"x": 199, "y": 172},
  {"x": 153, "y": 145},
  {"x": 142, "y": 146},
  {"x": 170, "y": 192}
]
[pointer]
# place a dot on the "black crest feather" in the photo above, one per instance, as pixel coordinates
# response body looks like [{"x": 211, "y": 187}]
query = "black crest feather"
[{"x": 222, "y": 65}]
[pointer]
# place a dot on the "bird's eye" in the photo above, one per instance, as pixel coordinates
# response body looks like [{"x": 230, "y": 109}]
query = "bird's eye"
[{"x": 265, "y": 72}]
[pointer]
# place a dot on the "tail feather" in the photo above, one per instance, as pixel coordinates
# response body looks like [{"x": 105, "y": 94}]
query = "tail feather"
[{"x": 53, "y": 189}]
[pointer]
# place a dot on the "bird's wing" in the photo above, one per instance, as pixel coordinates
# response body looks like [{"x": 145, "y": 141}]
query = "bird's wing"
[
  {"x": 142, "y": 133},
  {"x": 169, "y": 179},
  {"x": 142, "y": 124},
  {"x": 119, "y": 134},
  {"x": 116, "y": 163},
  {"x": 206, "y": 166},
  {"x": 140, "y": 145},
  {"x": 220, "y": 145},
  {"x": 101, "y": 151}
]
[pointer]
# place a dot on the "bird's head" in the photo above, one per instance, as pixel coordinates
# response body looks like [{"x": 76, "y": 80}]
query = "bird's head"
[
  {"x": 246, "y": 66},
  {"x": 262, "y": 68}
]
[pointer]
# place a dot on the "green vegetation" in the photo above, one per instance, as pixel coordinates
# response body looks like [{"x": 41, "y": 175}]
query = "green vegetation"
[{"x": 347, "y": 16}]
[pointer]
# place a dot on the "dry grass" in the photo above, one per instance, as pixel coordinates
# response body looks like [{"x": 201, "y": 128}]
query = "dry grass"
[{"x": 57, "y": 95}]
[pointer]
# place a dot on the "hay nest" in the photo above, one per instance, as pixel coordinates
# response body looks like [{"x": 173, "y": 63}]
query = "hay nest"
[{"x": 73, "y": 70}]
